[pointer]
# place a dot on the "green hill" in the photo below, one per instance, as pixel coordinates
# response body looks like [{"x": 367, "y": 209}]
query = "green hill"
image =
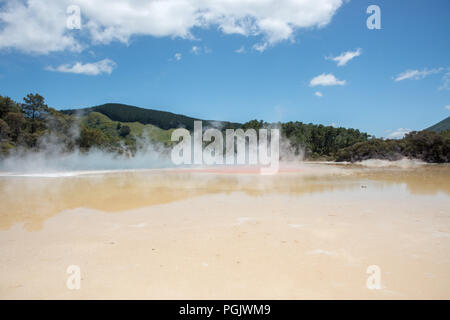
[
  {"x": 111, "y": 128},
  {"x": 444, "y": 125},
  {"x": 162, "y": 119}
]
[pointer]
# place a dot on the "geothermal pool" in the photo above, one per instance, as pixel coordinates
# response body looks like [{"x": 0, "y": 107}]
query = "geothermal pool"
[{"x": 310, "y": 231}]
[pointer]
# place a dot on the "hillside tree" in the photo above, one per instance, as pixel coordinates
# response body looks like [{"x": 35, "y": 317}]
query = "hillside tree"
[{"x": 34, "y": 108}]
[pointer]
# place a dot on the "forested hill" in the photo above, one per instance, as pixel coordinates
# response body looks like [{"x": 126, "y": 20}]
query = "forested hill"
[
  {"x": 444, "y": 125},
  {"x": 118, "y": 128},
  {"x": 162, "y": 119}
]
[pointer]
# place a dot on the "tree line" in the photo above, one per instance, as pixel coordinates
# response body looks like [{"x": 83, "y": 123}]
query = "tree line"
[
  {"x": 316, "y": 142},
  {"x": 427, "y": 146},
  {"x": 320, "y": 142},
  {"x": 33, "y": 125}
]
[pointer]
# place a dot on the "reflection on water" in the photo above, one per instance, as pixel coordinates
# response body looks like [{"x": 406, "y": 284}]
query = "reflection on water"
[
  {"x": 425, "y": 180},
  {"x": 32, "y": 200}
]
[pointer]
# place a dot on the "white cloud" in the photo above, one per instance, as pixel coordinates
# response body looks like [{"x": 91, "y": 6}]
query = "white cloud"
[
  {"x": 326, "y": 80},
  {"x": 93, "y": 69},
  {"x": 35, "y": 27},
  {"x": 261, "y": 47},
  {"x": 196, "y": 50},
  {"x": 39, "y": 26},
  {"x": 318, "y": 94},
  {"x": 416, "y": 74},
  {"x": 240, "y": 50},
  {"x": 399, "y": 133},
  {"x": 345, "y": 57},
  {"x": 199, "y": 50},
  {"x": 447, "y": 107},
  {"x": 177, "y": 56},
  {"x": 445, "y": 82}
]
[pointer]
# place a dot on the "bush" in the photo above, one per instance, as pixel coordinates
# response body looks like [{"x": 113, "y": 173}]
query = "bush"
[
  {"x": 124, "y": 131},
  {"x": 90, "y": 137},
  {"x": 424, "y": 145},
  {"x": 4, "y": 129}
]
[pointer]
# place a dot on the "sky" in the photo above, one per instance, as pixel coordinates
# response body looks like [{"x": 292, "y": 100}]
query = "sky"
[{"x": 314, "y": 61}]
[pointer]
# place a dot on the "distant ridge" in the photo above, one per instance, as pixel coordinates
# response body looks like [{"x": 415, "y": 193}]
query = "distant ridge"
[
  {"x": 162, "y": 119},
  {"x": 444, "y": 125}
]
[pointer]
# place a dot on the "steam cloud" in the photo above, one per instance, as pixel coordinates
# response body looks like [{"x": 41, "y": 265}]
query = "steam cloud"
[{"x": 53, "y": 155}]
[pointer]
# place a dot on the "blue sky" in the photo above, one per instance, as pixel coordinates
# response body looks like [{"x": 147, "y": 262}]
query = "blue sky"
[{"x": 216, "y": 82}]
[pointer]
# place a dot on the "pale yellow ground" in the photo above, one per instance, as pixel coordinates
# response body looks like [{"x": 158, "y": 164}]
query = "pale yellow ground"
[{"x": 186, "y": 235}]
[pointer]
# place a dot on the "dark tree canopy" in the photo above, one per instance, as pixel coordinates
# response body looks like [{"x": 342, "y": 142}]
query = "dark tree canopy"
[
  {"x": 7, "y": 105},
  {"x": 124, "y": 131},
  {"x": 428, "y": 146},
  {"x": 34, "y": 106},
  {"x": 315, "y": 140},
  {"x": 16, "y": 122}
]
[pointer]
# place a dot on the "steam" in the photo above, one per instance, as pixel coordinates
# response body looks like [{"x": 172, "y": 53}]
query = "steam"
[
  {"x": 95, "y": 159},
  {"x": 58, "y": 153},
  {"x": 404, "y": 163},
  {"x": 54, "y": 154}
]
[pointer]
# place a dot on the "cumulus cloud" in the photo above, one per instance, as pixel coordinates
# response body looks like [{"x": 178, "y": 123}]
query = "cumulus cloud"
[
  {"x": 326, "y": 80},
  {"x": 416, "y": 74},
  {"x": 35, "y": 27},
  {"x": 399, "y": 133},
  {"x": 345, "y": 57},
  {"x": 445, "y": 82},
  {"x": 199, "y": 50},
  {"x": 177, "y": 56},
  {"x": 261, "y": 47},
  {"x": 93, "y": 69},
  {"x": 39, "y": 26},
  {"x": 240, "y": 50},
  {"x": 196, "y": 50},
  {"x": 318, "y": 94}
]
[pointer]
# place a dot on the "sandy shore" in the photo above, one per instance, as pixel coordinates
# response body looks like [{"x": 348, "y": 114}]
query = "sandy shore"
[{"x": 206, "y": 235}]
